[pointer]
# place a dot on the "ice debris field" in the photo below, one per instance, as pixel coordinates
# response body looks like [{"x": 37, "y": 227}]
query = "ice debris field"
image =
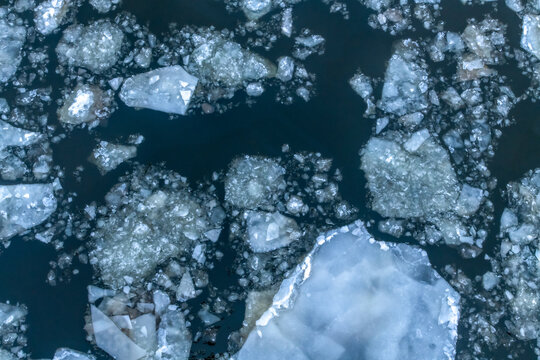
[{"x": 404, "y": 234}]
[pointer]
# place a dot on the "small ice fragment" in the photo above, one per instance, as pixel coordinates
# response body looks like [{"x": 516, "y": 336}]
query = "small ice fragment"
[
  {"x": 49, "y": 15},
  {"x": 530, "y": 38},
  {"x": 469, "y": 200},
  {"x": 287, "y": 22},
  {"x": 207, "y": 317},
  {"x": 416, "y": 140},
  {"x": 270, "y": 231},
  {"x": 95, "y": 293},
  {"x": 107, "y": 156},
  {"x": 174, "y": 339}
]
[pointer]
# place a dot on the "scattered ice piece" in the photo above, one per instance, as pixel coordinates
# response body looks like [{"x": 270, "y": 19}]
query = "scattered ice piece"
[
  {"x": 255, "y": 9},
  {"x": 469, "y": 200},
  {"x": 12, "y": 38},
  {"x": 361, "y": 84},
  {"x": 207, "y": 317},
  {"x": 530, "y": 38},
  {"x": 399, "y": 308},
  {"x": 107, "y": 156},
  {"x": 406, "y": 81},
  {"x": 95, "y": 47},
  {"x": 287, "y": 22},
  {"x": 489, "y": 280},
  {"x": 174, "y": 339},
  {"x": 167, "y": 89},
  {"x": 69, "y": 354},
  {"x": 95, "y": 293},
  {"x": 186, "y": 289},
  {"x": 254, "y": 89},
  {"x": 406, "y": 185},
  {"x": 84, "y": 104},
  {"x": 104, "y": 6},
  {"x": 110, "y": 339},
  {"x": 381, "y": 124},
  {"x": 416, "y": 140},
  {"x": 49, "y": 15},
  {"x": 213, "y": 235},
  {"x": 285, "y": 71},
  {"x": 270, "y": 231},
  {"x": 122, "y": 321},
  {"x": 24, "y": 206},
  {"x": 254, "y": 182},
  {"x": 12, "y": 136}
]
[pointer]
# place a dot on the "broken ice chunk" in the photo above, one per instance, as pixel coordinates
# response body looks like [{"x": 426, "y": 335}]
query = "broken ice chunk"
[
  {"x": 85, "y": 103},
  {"x": 186, "y": 289},
  {"x": 270, "y": 231},
  {"x": 167, "y": 89},
  {"x": 143, "y": 332},
  {"x": 49, "y": 15},
  {"x": 174, "y": 339},
  {"x": 24, "y": 206},
  {"x": 469, "y": 200},
  {"x": 399, "y": 308},
  {"x": 255, "y": 9},
  {"x": 416, "y": 140},
  {"x": 95, "y": 47},
  {"x": 12, "y": 38},
  {"x": 207, "y": 317},
  {"x": 287, "y": 22},
  {"x": 285, "y": 69},
  {"x": 12, "y": 136},
  {"x": 361, "y": 84},
  {"x": 530, "y": 38},
  {"x": 406, "y": 81},
  {"x": 95, "y": 293},
  {"x": 69, "y": 354},
  {"x": 112, "y": 340},
  {"x": 104, "y": 6},
  {"x": 254, "y": 182},
  {"x": 406, "y": 185},
  {"x": 107, "y": 156},
  {"x": 6, "y": 355}
]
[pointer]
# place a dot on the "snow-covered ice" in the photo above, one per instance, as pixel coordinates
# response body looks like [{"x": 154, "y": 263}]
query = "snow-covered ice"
[
  {"x": 168, "y": 89},
  {"x": 95, "y": 47},
  {"x": 13, "y": 136},
  {"x": 405, "y": 184},
  {"x": 24, "y": 206},
  {"x": 353, "y": 297},
  {"x": 254, "y": 182},
  {"x": 49, "y": 15},
  {"x": 254, "y": 9},
  {"x": 85, "y": 103}
]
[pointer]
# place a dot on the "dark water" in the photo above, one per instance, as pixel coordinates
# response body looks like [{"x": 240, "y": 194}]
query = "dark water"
[{"x": 195, "y": 146}]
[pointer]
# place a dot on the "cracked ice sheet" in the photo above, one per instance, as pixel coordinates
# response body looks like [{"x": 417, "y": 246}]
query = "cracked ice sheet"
[{"x": 355, "y": 298}]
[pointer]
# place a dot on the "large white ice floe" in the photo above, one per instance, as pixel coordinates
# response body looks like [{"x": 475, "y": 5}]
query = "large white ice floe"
[
  {"x": 406, "y": 81},
  {"x": 49, "y": 15},
  {"x": 530, "y": 38},
  {"x": 12, "y": 37},
  {"x": 24, "y": 206},
  {"x": 356, "y": 298},
  {"x": 168, "y": 89},
  {"x": 95, "y": 47}
]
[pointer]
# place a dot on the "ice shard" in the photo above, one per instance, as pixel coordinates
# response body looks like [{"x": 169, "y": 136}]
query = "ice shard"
[
  {"x": 168, "y": 89},
  {"x": 356, "y": 298}
]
